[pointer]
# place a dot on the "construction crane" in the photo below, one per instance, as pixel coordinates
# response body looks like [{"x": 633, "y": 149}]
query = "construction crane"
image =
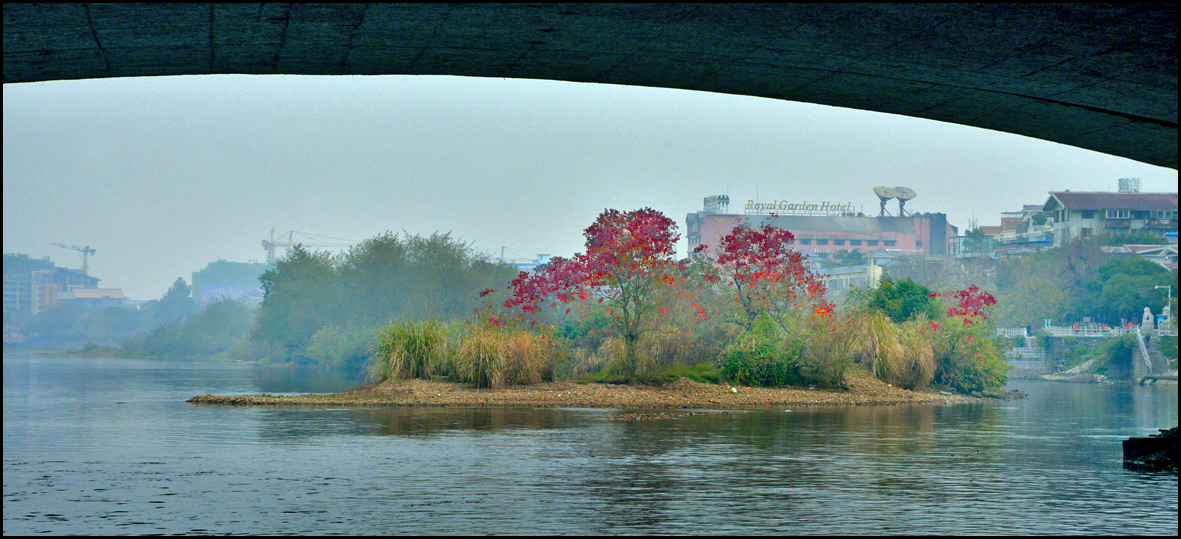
[
  {"x": 86, "y": 251},
  {"x": 289, "y": 242}
]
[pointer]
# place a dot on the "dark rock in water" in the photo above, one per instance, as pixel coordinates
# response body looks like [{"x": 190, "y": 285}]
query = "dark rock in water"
[{"x": 1156, "y": 453}]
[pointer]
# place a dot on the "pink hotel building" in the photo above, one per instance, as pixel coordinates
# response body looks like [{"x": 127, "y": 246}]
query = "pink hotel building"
[{"x": 821, "y": 230}]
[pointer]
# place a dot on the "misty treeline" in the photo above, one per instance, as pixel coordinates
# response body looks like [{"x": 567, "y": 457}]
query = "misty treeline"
[
  {"x": 1063, "y": 284},
  {"x": 72, "y": 323},
  {"x": 326, "y": 309}
]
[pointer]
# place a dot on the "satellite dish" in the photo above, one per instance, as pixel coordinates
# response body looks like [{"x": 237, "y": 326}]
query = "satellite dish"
[
  {"x": 902, "y": 194},
  {"x": 884, "y": 194}
]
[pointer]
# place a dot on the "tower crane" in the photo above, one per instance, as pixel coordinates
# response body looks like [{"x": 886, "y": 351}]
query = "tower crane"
[
  {"x": 86, "y": 251},
  {"x": 289, "y": 242}
]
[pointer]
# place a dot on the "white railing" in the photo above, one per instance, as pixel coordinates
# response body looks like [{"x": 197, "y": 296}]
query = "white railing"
[
  {"x": 1144, "y": 351},
  {"x": 1011, "y": 332},
  {"x": 1070, "y": 331}
]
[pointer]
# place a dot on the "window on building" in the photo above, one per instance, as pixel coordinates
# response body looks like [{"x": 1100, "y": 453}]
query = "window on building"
[
  {"x": 889, "y": 243},
  {"x": 1119, "y": 214},
  {"x": 918, "y": 243},
  {"x": 871, "y": 243},
  {"x": 821, "y": 242},
  {"x": 1163, "y": 214},
  {"x": 1087, "y": 214},
  {"x": 838, "y": 242},
  {"x": 854, "y": 242},
  {"x": 805, "y": 241}
]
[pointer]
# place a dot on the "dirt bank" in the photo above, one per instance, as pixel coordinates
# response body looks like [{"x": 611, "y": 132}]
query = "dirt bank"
[{"x": 862, "y": 389}]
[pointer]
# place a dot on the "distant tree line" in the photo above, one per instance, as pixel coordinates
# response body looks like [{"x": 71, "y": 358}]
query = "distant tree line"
[
  {"x": 72, "y": 324},
  {"x": 1064, "y": 284},
  {"x": 324, "y": 309}
]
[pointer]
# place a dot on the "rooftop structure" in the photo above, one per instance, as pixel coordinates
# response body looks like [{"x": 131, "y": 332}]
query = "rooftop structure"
[{"x": 1082, "y": 214}]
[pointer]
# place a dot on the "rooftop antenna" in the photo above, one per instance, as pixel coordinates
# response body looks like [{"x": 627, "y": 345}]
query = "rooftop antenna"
[
  {"x": 903, "y": 194},
  {"x": 884, "y": 194}
]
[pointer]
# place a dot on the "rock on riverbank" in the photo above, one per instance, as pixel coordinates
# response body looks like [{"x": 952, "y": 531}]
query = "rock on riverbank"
[{"x": 862, "y": 390}]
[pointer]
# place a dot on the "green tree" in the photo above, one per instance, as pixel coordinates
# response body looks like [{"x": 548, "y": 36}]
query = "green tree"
[
  {"x": 1125, "y": 286},
  {"x": 176, "y": 304},
  {"x": 904, "y": 300},
  {"x": 299, "y": 298},
  {"x": 974, "y": 241}
]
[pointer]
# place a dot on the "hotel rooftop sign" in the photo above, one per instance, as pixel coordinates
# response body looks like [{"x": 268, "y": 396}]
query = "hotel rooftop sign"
[{"x": 784, "y": 207}]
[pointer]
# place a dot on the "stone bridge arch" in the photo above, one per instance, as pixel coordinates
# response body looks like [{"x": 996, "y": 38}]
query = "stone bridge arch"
[{"x": 1096, "y": 76}]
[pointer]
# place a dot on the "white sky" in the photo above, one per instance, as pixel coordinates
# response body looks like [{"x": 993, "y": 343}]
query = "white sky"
[{"x": 163, "y": 175}]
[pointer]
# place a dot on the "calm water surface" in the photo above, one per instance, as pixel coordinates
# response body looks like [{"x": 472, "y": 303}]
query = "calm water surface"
[{"x": 106, "y": 445}]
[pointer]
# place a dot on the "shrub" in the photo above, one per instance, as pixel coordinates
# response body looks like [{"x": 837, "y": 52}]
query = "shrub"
[
  {"x": 333, "y": 348},
  {"x": 966, "y": 359},
  {"x": 410, "y": 350},
  {"x": 826, "y": 356},
  {"x": 761, "y": 358}
]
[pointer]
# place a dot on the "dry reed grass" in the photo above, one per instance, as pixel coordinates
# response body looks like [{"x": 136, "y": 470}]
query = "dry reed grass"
[
  {"x": 493, "y": 358},
  {"x": 900, "y": 354}
]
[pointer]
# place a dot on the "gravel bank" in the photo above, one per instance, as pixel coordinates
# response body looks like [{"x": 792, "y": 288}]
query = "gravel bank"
[{"x": 684, "y": 394}]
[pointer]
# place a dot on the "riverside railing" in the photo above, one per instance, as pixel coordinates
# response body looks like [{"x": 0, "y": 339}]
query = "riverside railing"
[{"x": 1144, "y": 351}]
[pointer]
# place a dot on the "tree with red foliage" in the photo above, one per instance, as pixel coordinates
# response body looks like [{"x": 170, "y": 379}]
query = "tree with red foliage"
[
  {"x": 968, "y": 304},
  {"x": 627, "y": 263},
  {"x": 966, "y": 357},
  {"x": 767, "y": 276}
]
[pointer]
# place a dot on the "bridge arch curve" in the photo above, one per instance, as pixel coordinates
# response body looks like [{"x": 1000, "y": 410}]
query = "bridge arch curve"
[{"x": 1097, "y": 76}]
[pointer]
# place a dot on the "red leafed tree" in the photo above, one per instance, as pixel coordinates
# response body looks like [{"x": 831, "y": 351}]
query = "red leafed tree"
[
  {"x": 767, "y": 276},
  {"x": 627, "y": 263}
]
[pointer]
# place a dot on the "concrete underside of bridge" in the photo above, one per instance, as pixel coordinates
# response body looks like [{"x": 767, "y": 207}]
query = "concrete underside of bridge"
[{"x": 1101, "y": 77}]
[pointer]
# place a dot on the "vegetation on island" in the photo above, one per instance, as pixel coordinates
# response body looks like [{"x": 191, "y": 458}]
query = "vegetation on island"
[{"x": 624, "y": 310}]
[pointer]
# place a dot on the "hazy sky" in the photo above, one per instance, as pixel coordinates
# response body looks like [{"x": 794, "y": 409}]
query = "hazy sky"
[{"x": 163, "y": 175}]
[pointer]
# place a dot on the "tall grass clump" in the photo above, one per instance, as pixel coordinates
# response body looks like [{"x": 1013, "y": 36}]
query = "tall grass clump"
[
  {"x": 899, "y": 354},
  {"x": 410, "y": 350},
  {"x": 529, "y": 357},
  {"x": 494, "y": 358}
]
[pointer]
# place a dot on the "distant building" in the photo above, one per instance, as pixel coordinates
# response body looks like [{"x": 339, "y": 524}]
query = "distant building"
[
  {"x": 1018, "y": 234},
  {"x": 94, "y": 299},
  {"x": 229, "y": 280},
  {"x": 1165, "y": 255},
  {"x": 824, "y": 230},
  {"x": 1082, "y": 214},
  {"x": 31, "y": 285},
  {"x": 841, "y": 279}
]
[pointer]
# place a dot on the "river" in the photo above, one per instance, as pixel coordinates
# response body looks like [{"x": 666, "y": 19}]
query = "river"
[{"x": 108, "y": 446}]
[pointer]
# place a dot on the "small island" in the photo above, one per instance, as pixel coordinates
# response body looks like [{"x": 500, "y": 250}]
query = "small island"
[
  {"x": 683, "y": 394},
  {"x": 624, "y": 325}
]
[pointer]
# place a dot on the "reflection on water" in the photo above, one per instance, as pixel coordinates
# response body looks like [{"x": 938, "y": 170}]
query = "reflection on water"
[
  {"x": 108, "y": 446},
  {"x": 286, "y": 379}
]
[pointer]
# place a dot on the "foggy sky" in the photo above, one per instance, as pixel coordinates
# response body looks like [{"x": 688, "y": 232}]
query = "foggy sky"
[{"x": 163, "y": 175}]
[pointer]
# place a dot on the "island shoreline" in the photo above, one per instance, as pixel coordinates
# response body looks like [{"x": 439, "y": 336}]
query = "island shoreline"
[{"x": 862, "y": 389}]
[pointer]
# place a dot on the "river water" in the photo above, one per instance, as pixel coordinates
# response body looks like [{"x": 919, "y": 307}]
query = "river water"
[{"x": 108, "y": 446}]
